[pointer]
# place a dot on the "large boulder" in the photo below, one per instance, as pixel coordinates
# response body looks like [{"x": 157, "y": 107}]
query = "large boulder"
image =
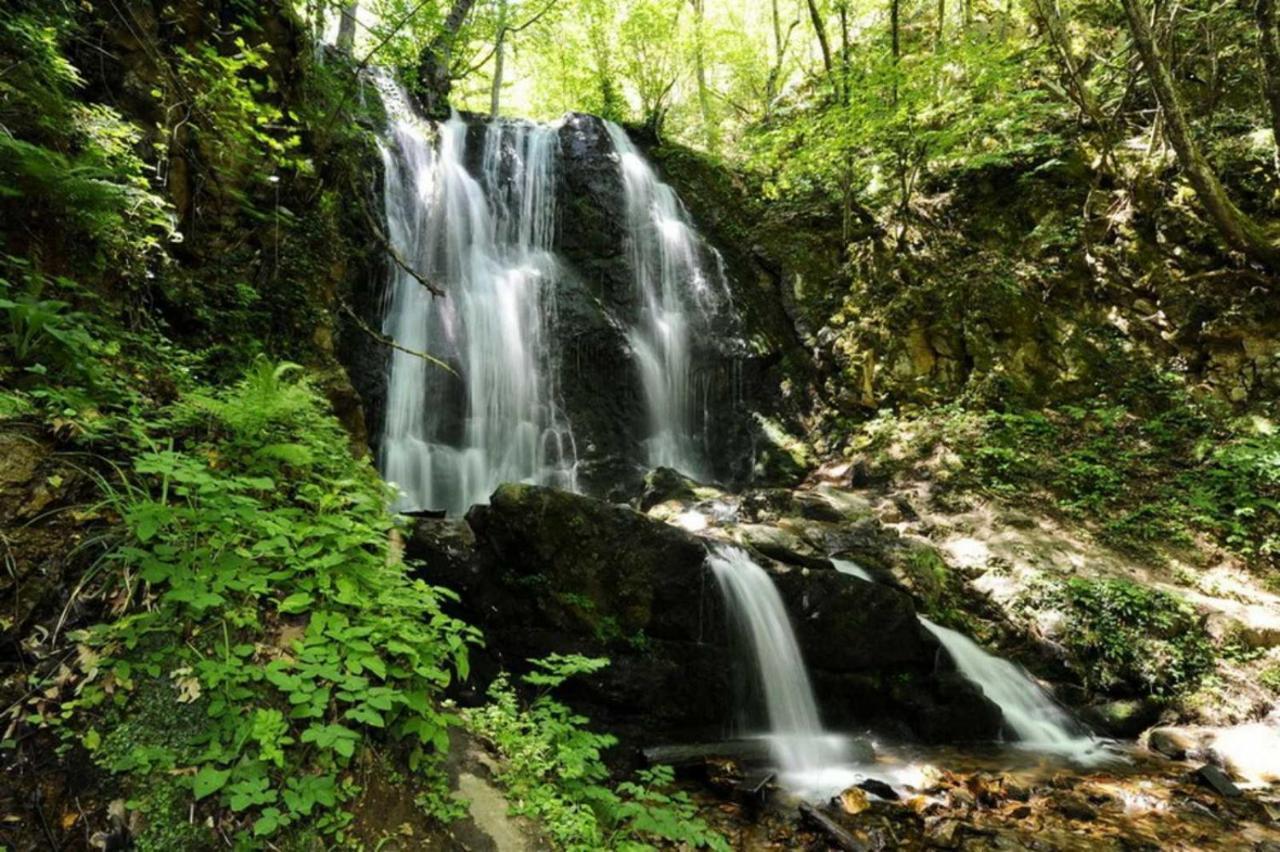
[{"x": 555, "y": 572}]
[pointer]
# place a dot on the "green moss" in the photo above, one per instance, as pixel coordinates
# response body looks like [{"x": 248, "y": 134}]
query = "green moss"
[{"x": 1270, "y": 678}]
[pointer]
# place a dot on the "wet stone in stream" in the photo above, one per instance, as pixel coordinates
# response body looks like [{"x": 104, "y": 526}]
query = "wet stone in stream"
[{"x": 1144, "y": 804}]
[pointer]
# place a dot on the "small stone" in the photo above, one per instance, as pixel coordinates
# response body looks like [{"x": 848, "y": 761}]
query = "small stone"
[
  {"x": 1217, "y": 780},
  {"x": 962, "y": 798},
  {"x": 854, "y": 801},
  {"x": 942, "y": 833},
  {"x": 1020, "y": 812},
  {"x": 1016, "y": 792},
  {"x": 877, "y": 787},
  {"x": 1173, "y": 743},
  {"x": 1075, "y": 807}
]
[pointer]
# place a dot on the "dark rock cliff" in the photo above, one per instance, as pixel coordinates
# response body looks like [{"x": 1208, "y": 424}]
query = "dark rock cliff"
[{"x": 544, "y": 571}]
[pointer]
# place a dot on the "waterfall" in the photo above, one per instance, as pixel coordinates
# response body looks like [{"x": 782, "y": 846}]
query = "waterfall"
[
  {"x": 673, "y": 284},
  {"x": 1029, "y": 710},
  {"x": 448, "y": 441},
  {"x": 801, "y": 747}
]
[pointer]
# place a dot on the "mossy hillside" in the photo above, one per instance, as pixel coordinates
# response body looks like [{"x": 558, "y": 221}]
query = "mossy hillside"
[{"x": 1151, "y": 467}]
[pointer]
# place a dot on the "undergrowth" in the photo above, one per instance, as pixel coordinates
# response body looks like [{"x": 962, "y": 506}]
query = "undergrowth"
[
  {"x": 253, "y": 580},
  {"x": 1124, "y": 637},
  {"x": 1141, "y": 467},
  {"x": 553, "y": 771}
]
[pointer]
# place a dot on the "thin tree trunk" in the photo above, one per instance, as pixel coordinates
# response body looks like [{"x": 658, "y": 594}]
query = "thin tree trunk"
[
  {"x": 347, "y": 27},
  {"x": 942, "y": 23},
  {"x": 846, "y": 175},
  {"x": 710, "y": 129},
  {"x": 435, "y": 59},
  {"x": 499, "y": 56},
  {"x": 774, "y": 80},
  {"x": 1269, "y": 47},
  {"x": 895, "y": 18},
  {"x": 316, "y": 10},
  {"x": 1237, "y": 229},
  {"x": 845, "y": 64},
  {"x": 820, "y": 30}
]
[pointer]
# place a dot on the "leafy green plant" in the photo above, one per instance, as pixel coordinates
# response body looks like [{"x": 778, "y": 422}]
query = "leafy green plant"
[
  {"x": 1270, "y": 678},
  {"x": 258, "y": 587},
  {"x": 553, "y": 768}
]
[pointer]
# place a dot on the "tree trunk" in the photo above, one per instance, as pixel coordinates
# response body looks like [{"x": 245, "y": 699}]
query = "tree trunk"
[
  {"x": 845, "y": 64},
  {"x": 1269, "y": 47},
  {"x": 942, "y": 23},
  {"x": 347, "y": 27},
  {"x": 1237, "y": 229},
  {"x": 895, "y": 18},
  {"x": 773, "y": 82},
  {"x": 434, "y": 75},
  {"x": 499, "y": 56},
  {"x": 710, "y": 128},
  {"x": 820, "y": 30},
  {"x": 315, "y": 11}
]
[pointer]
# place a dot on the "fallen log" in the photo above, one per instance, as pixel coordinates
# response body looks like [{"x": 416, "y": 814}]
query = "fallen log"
[
  {"x": 695, "y": 754},
  {"x": 837, "y": 836}
]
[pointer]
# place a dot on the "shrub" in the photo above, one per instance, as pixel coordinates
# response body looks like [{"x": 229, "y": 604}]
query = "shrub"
[
  {"x": 254, "y": 583},
  {"x": 554, "y": 770},
  {"x": 1129, "y": 638}
]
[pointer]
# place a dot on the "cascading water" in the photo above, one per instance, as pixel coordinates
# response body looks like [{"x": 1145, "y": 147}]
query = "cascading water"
[
  {"x": 676, "y": 289},
  {"x": 1029, "y": 711},
  {"x": 448, "y": 441},
  {"x": 801, "y": 747}
]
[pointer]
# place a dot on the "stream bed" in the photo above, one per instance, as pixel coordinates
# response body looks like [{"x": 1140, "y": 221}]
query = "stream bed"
[{"x": 1002, "y": 797}]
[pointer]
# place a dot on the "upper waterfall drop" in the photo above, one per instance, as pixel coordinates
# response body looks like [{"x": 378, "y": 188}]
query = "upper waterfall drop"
[
  {"x": 448, "y": 441},
  {"x": 674, "y": 286}
]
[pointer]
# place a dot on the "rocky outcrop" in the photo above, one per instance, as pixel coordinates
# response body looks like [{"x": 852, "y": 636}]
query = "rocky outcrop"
[{"x": 543, "y": 571}]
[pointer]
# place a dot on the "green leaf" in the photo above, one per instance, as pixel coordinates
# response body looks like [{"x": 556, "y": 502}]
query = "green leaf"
[
  {"x": 209, "y": 780},
  {"x": 296, "y": 602}
]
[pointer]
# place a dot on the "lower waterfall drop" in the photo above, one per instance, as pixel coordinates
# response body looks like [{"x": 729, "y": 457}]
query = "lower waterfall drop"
[
  {"x": 1030, "y": 712},
  {"x": 802, "y": 748}
]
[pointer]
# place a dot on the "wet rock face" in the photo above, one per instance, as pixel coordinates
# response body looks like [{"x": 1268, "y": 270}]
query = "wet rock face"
[
  {"x": 544, "y": 571},
  {"x": 600, "y": 302}
]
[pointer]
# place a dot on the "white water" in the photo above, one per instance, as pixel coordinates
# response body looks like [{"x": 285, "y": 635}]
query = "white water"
[
  {"x": 673, "y": 284},
  {"x": 1028, "y": 709},
  {"x": 853, "y": 569},
  {"x": 802, "y": 748},
  {"x": 448, "y": 442}
]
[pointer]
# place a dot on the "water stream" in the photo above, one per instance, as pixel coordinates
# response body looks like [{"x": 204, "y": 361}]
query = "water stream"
[
  {"x": 1030, "y": 712},
  {"x": 803, "y": 750},
  {"x": 447, "y": 441},
  {"x": 674, "y": 285}
]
